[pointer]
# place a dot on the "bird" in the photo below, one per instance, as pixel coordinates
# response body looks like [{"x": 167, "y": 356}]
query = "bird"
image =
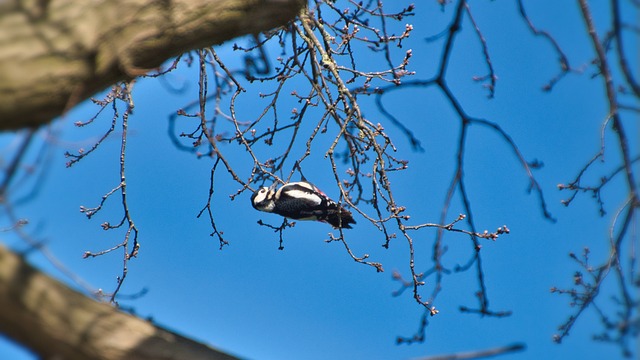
[{"x": 302, "y": 201}]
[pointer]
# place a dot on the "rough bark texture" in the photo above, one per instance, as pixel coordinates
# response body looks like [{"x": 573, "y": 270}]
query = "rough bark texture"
[
  {"x": 59, "y": 323},
  {"x": 56, "y": 53}
]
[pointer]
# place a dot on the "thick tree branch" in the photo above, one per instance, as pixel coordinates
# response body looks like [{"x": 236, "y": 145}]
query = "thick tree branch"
[
  {"x": 54, "y": 54},
  {"x": 479, "y": 353},
  {"x": 57, "y": 322}
]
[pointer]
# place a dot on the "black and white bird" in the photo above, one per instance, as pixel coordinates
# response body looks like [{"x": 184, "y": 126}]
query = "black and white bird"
[{"x": 302, "y": 201}]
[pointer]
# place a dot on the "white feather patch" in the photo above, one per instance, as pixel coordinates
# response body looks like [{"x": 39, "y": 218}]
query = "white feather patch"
[
  {"x": 264, "y": 200},
  {"x": 260, "y": 196},
  {"x": 299, "y": 194},
  {"x": 304, "y": 185}
]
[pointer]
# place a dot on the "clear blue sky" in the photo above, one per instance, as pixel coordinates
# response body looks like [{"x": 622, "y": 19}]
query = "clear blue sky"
[{"x": 311, "y": 300}]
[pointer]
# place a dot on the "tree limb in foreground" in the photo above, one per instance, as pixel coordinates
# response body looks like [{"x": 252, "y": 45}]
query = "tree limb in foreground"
[
  {"x": 478, "y": 354},
  {"x": 57, "y": 322},
  {"x": 55, "y": 54}
]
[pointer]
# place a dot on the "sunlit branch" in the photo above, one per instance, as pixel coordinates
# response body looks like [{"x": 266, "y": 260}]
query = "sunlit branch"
[{"x": 129, "y": 244}]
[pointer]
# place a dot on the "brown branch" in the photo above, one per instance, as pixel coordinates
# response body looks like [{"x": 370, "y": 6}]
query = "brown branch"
[
  {"x": 478, "y": 353},
  {"x": 100, "y": 43},
  {"x": 279, "y": 229},
  {"x": 129, "y": 243},
  {"x": 55, "y": 321},
  {"x": 209, "y": 210}
]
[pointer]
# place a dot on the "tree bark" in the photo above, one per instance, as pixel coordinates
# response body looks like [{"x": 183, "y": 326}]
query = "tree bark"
[
  {"x": 56, "y": 53},
  {"x": 59, "y": 323}
]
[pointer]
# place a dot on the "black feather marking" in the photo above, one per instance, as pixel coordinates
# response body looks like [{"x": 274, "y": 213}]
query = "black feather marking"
[{"x": 304, "y": 201}]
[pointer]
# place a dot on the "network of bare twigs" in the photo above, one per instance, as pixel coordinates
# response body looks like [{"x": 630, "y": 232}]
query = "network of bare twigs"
[
  {"x": 119, "y": 96},
  {"x": 621, "y": 325},
  {"x": 321, "y": 52},
  {"x": 322, "y": 48}
]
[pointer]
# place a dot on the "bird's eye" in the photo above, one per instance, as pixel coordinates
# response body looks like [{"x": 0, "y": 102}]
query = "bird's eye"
[{"x": 262, "y": 191}]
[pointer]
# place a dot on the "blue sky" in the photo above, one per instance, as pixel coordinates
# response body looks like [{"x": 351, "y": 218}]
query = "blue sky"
[{"x": 311, "y": 300}]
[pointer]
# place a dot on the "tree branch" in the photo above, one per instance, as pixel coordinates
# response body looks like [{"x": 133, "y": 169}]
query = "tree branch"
[
  {"x": 479, "y": 353},
  {"x": 54, "y": 54},
  {"x": 57, "y": 322}
]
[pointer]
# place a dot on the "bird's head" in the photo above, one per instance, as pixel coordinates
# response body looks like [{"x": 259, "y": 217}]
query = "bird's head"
[{"x": 262, "y": 199}]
